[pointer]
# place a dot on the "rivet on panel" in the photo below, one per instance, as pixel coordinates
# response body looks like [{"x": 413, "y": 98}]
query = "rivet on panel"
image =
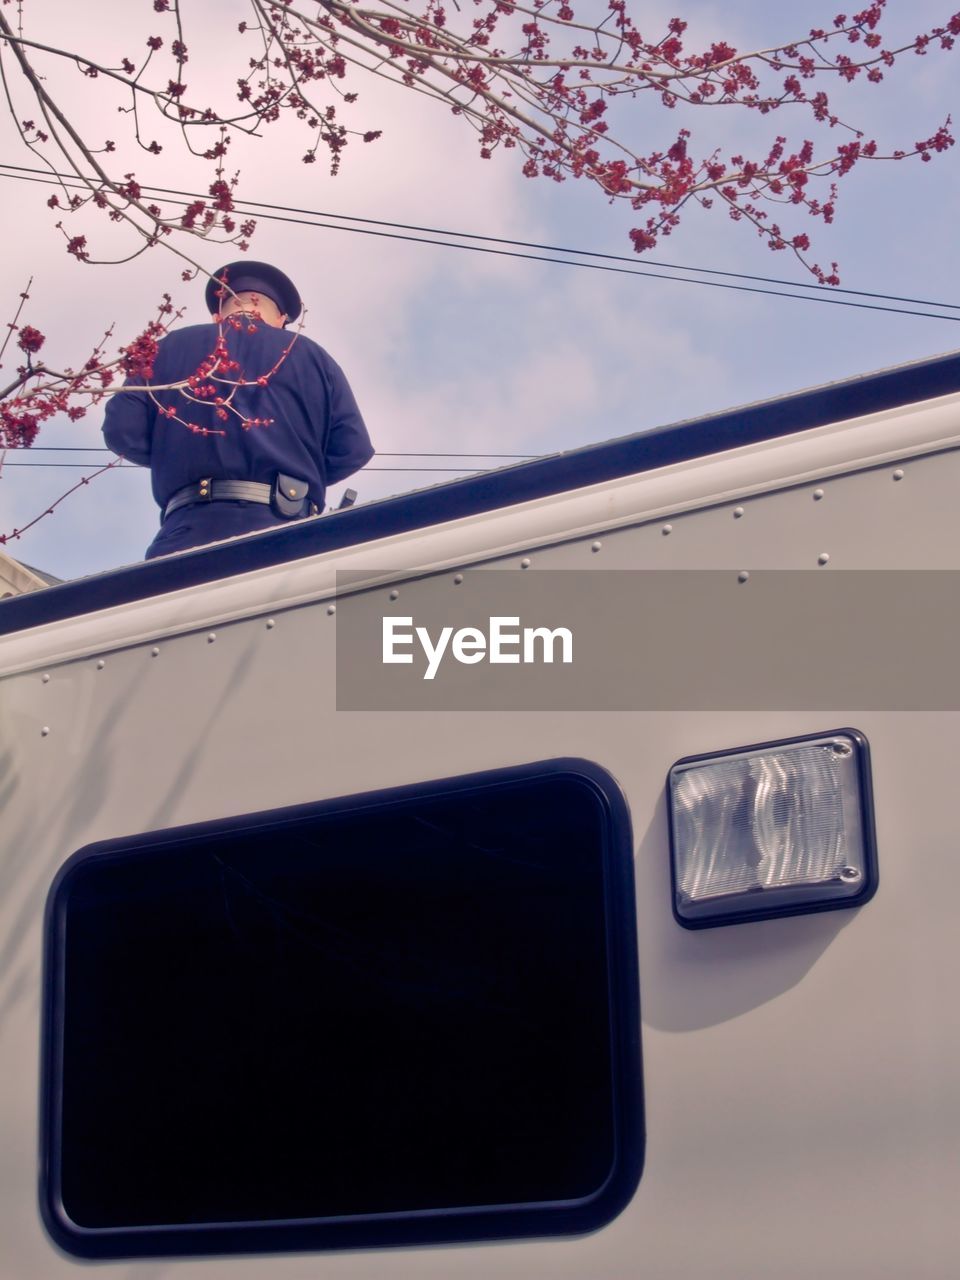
[
  {"x": 45, "y": 678},
  {"x": 101, "y": 664},
  {"x": 394, "y": 595},
  {"x": 155, "y": 652},
  {"x": 525, "y": 562},
  {"x": 667, "y": 528},
  {"x": 898, "y": 474},
  {"x": 270, "y": 624},
  {"x": 737, "y": 512},
  {"x": 823, "y": 557},
  {"x": 457, "y": 579},
  {"x": 331, "y": 609},
  {"x": 211, "y": 637},
  {"x": 44, "y": 731},
  {"x": 817, "y": 495},
  {"x": 743, "y": 575},
  {"x": 595, "y": 546}
]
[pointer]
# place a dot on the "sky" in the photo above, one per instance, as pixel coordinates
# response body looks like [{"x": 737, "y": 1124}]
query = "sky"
[{"x": 453, "y": 352}]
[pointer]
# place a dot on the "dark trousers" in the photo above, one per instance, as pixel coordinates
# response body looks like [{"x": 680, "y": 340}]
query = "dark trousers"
[{"x": 199, "y": 523}]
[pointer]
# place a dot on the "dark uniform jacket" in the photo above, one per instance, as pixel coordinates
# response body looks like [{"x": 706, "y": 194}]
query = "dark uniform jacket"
[{"x": 314, "y": 429}]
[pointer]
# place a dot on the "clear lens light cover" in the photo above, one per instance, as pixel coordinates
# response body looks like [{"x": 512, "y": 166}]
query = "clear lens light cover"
[{"x": 777, "y": 829}]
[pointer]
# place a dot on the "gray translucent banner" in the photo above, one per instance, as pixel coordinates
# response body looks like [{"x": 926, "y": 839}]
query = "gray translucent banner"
[{"x": 708, "y": 640}]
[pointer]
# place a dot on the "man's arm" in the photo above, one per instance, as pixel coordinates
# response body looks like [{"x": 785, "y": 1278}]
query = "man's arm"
[
  {"x": 348, "y": 444},
  {"x": 128, "y": 425}
]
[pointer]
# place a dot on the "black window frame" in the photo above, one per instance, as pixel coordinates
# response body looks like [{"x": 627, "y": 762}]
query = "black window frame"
[{"x": 463, "y": 1224}]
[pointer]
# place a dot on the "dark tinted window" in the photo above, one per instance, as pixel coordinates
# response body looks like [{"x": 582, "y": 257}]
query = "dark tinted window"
[{"x": 419, "y": 1004}]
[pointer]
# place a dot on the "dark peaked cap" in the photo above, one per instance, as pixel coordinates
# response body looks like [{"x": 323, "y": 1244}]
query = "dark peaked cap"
[{"x": 255, "y": 277}]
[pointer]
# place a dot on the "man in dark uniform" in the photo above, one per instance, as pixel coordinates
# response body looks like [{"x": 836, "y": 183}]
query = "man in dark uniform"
[{"x": 260, "y": 422}]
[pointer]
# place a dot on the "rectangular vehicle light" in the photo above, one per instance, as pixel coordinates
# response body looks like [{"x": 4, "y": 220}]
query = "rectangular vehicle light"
[{"x": 776, "y": 829}]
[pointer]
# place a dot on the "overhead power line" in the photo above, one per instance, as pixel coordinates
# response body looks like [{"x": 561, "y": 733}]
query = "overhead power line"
[
  {"x": 99, "y": 448},
  {"x": 54, "y": 178},
  {"x": 471, "y": 242},
  {"x": 84, "y": 466},
  {"x": 129, "y": 466}
]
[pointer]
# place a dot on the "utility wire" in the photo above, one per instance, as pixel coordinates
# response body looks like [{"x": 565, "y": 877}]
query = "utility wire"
[
  {"x": 52, "y": 178},
  {"x": 131, "y": 466},
  {"x": 21, "y": 174},
  {"x": 97, "y": 448}
]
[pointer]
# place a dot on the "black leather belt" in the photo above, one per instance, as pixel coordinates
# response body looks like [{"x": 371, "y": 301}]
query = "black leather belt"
[{"x": 288, "y": 496}]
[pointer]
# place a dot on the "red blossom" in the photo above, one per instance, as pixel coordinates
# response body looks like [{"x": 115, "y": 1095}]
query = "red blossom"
[
  {"x": 138, "y": 357},
  {"x": 222, "y": 196},
  {"x": 192, "y": 213},
  {"x": 30, "y": 339},
  {"x": 642, "y": 240},
  {"x": 18, "y": 430}
]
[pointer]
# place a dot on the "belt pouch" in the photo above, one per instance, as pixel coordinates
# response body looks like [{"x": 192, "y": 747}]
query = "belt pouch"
[{"x": 288, "y": 496}]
